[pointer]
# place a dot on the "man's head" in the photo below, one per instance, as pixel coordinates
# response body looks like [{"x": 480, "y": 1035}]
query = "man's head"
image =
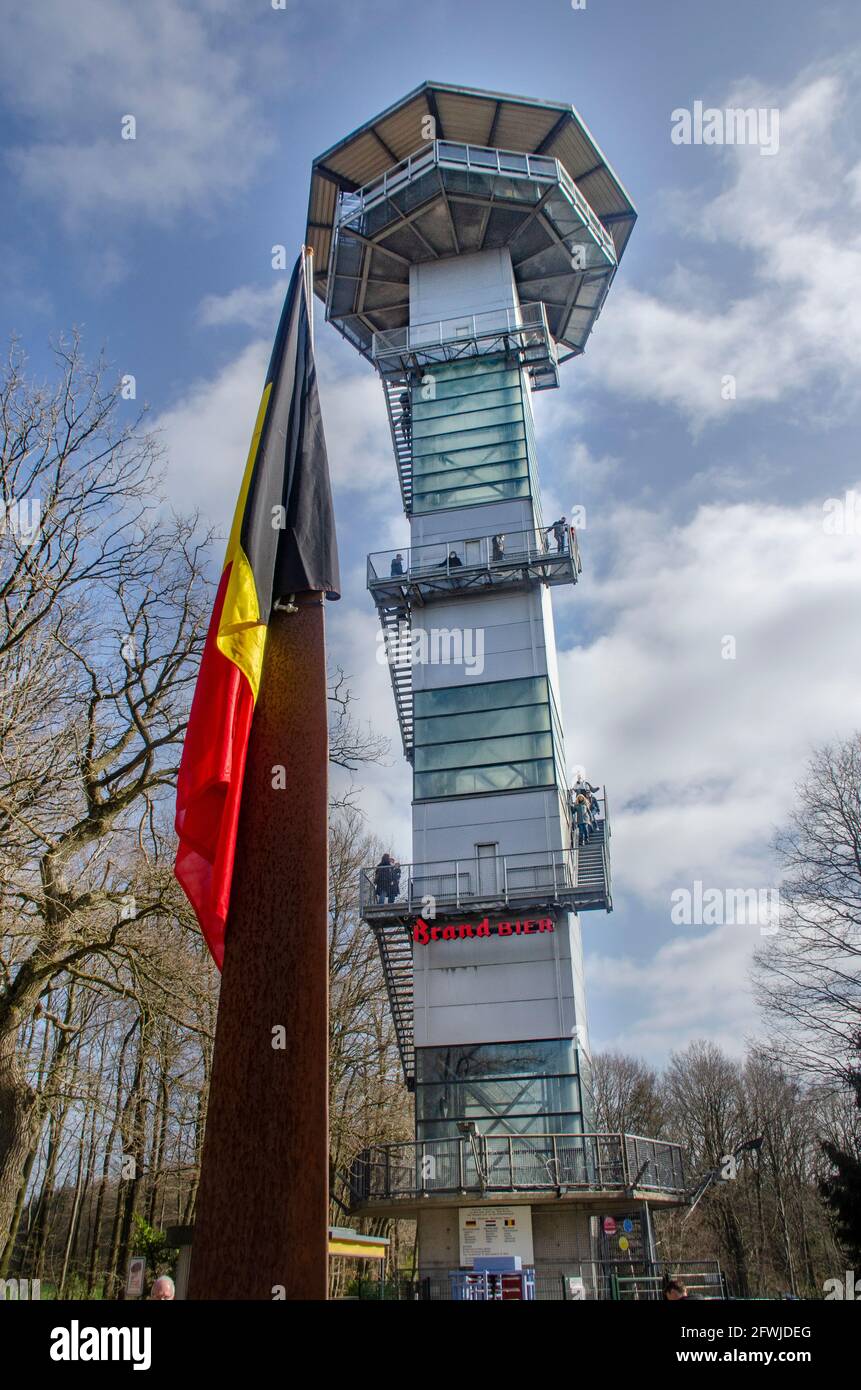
[
  {"x": 163, "y": 1289},
  {"x": 675, "y": 1290}
]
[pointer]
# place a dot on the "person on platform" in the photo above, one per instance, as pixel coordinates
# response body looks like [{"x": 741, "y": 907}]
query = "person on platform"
[
  {"x": 395, "y": 880},
  {"x": 581, "y": 817},
  {"x": 560, "y": 533},
  {"x": 454, "y": 560},
  {"x": 584, "y": 786},
  {"x": 163, "y": 1289},
  {"x": 499, "y": 547},
  {"x": 383, "y": 879},
  {"x": 387, "y": 879},
  {"x": 398, "y": 564}
]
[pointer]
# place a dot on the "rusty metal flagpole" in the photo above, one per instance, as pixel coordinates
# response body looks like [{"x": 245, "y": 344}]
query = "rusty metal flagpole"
[{"x": 261, "y": 1224}]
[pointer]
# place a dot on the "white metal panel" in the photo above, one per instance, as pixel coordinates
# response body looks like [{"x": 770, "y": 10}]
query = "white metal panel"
[
  {"x": 519, "y": 822},
  {"x": 462, "y": 285},
  {"x": 465, "y": 522},
  {"x": 481, "y": 1023}
]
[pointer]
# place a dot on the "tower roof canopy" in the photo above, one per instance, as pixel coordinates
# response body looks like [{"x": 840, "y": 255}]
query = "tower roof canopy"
[{"x": 467, "y": 115}]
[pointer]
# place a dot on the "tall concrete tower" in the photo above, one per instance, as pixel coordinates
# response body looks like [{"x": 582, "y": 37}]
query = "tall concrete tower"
[{"x": 464, "y": 242}]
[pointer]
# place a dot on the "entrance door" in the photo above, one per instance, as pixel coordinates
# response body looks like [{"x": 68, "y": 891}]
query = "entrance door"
[{"x": 489, "y": 869}]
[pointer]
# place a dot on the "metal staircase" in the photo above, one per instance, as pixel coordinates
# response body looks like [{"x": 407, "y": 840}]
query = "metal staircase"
[
  {"x": 397, "y": 630},
  {"x": 396, "y": 388},
  {"x": 593, "y": 866},
  {"x": 396, "y": 954}
]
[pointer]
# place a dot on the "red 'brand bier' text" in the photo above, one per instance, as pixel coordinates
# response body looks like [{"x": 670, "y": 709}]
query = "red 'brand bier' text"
[{"x": 457, "y": 931}]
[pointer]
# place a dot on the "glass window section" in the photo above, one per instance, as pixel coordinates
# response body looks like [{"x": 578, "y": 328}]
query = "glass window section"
[
  {"x": 490, "y": 379},
  {"x": 490, "y": 399},
  {"x": 515, "y": 1125},
  {"x": 462, "y": 699},
  {"x": 470, "y": 497},
  {"x": 487, "y": 723},
  {"x": 505, "y": 777},
  {"x": 466, "y": 1100},
  {"x": 462, "y": 1061},
  {"x": 461, "y": 372},
  {"x": 484, "y": 752},
  {"x": 470, "y": 432},
  {"x": 437, "y": 465},
  {"x": 478, "y": 474}
]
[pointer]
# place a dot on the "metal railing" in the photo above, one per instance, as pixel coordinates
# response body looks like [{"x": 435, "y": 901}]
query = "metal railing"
[
  {"x": 478, "y": 159},
  {"x": 457, "y": 883},
  {"x": 503, "y": 880},
  {"x": 610, "y": 1280},
  {"x": 527, "y": 321},
  {"x": 449, "y": 558},
  {"x": 509, "y": 1163}
]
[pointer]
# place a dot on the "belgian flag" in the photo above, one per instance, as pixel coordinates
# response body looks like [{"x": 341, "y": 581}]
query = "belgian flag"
[{"x": 282, "y": 542}]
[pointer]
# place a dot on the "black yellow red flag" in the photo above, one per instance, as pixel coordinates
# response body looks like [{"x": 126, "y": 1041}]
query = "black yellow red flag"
[{"x": 282, "y": 542}]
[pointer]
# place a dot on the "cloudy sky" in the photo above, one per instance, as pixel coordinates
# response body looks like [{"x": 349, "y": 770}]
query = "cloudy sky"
[{"x": 705, "y": 515}]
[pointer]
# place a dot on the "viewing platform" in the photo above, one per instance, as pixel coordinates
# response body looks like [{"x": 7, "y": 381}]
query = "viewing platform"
[
  {"x": 575, "y": 879},
  {"x": 449, "y": 197},
  {"x": 522, "y": 335},
  {"x": 509, "y": 560},
  {"x": 392, "y": 898},
  {"x": 399, "y": 1179}
]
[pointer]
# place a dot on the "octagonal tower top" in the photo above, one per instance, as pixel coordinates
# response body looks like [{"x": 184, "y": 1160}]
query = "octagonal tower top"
[{"x": 447, "y": 171}]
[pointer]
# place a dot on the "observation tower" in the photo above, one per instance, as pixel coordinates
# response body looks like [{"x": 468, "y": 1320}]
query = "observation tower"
[{"x": 465, "y": 242}]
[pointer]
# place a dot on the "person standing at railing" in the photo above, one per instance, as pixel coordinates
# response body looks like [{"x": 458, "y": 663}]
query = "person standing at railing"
[
  {"x": 387, "y": 879},
  {"x": 498, "y": 547},
  {"x": 398, "y": 564},
  {"x": 559, "y": 530},
  {"x": 581, "y": 818},
  {"x": 454, "y": 560}
]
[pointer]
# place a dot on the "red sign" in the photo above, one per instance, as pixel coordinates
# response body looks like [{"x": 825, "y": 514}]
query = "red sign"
[
  {"x": 424, "y": 932},
  {"x": 609, "y": 1226}
]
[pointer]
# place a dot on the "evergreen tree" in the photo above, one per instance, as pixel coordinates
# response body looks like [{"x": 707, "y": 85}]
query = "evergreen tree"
[{"x": 841, "y": 1190}]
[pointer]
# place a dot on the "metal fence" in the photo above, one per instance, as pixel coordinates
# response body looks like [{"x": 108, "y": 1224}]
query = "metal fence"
[
  {"x": 447, "y": 559},
  {"x": 623, "y": 1281},
  {"x": 459, "y": 883},
  {"x": 508, "y": 1163}
]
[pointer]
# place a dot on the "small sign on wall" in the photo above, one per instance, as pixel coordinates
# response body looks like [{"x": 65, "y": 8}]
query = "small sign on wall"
[
  {"x": 489, "y": 1231},
  {"x": 135, "y": 1276}
]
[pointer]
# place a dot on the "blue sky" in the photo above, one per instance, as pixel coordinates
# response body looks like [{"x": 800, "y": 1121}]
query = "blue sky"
[{"x": 704, "y": 515}]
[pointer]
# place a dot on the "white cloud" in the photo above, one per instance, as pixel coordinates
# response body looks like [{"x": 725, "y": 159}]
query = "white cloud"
[
  {"x": 701, "y": 753},
  {"x": 181, "y": 69},
  {"x": 693, "y": 986},
  {"x": 249, "y": 306},
  {"x": 206, "y": 432},
  {"x": 206, "y": 435},
  {"x": 800, "y": 318}
]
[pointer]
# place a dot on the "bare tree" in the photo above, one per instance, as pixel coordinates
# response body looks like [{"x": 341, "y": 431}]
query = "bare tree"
[
  {"x": 808, "y": 978},
  {"x": 105, "y": 607},
  {"x": 628, "y": 1097}
]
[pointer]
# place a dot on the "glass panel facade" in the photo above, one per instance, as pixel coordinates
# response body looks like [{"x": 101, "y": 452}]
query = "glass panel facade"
[
  {"x": 493, "y": 737},
  {"x": 484, "y": 780},
  {"x": 469, "y": 442},
  {"x": 506, "y": 1088},
  {"x": 458, "y": 699},
  {"x": 484, "y": 751},
  {"x": 484, "y": 724}
]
